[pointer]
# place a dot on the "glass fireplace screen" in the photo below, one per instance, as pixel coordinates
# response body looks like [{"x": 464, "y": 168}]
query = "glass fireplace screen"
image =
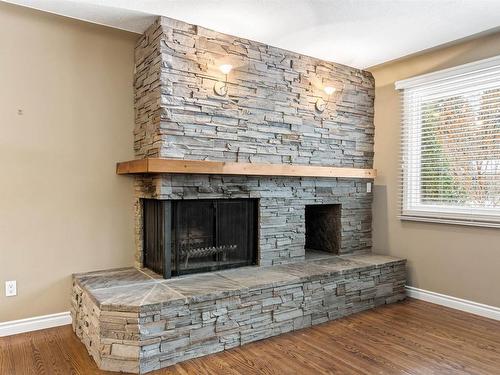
[{"x": 188, "y": 236}]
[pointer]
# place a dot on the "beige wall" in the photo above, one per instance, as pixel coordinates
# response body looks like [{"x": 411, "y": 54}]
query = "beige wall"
[
  {"x": 455, "y": 260},
  {"x": 63, "y": 209}
]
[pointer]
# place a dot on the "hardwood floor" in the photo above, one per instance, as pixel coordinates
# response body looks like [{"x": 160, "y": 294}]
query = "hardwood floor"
[{"x": 411, "y": 337}]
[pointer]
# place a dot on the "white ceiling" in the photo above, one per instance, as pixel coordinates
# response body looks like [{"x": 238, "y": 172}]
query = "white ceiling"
[{"x": 359, "y": 33}]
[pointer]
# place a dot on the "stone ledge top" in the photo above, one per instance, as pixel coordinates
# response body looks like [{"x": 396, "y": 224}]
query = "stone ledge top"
[{"x": 140, "y": 290}]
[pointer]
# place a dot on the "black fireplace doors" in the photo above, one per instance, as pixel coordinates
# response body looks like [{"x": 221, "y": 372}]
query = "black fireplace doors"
[{"x": 189, "y": 236}]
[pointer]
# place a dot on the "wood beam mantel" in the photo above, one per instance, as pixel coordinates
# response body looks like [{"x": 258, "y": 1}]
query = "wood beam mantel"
[{"x": 155, "y": 165}]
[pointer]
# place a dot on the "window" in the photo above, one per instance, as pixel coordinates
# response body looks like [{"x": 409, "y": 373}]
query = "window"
[{"x": 451, "y": 145}]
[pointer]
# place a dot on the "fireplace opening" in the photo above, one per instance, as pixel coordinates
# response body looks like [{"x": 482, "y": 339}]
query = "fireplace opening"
[
  {"x": 189, "y": 236},
  {"x": 323, "y": 228}
]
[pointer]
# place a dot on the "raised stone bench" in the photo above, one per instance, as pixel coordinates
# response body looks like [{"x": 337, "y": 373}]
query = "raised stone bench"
[{"x": 132, "y": 320}]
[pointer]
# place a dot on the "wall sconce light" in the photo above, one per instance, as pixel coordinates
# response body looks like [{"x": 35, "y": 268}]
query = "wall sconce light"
[
  {"x": 220, "y": 87},
  {"x": 320, "y": 103}
]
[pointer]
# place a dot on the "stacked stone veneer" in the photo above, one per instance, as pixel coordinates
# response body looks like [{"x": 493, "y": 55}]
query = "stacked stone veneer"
[
  {"x": 282, "y": 204},
  {"x": 140, "y": 337},
  {"x": 268, "y": 116}
]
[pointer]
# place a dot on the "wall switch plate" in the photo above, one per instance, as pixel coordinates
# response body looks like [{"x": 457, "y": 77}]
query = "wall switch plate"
[
  {"x": 368, "y": 187},
  {"x": 10, "y": 288}
]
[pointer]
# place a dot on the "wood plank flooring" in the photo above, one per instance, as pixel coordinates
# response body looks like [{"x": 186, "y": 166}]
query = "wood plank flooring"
[{"x": 411, "y": 337}]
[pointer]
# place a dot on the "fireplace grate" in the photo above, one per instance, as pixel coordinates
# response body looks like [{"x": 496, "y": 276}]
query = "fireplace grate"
[{"x": 189, "y": 252}]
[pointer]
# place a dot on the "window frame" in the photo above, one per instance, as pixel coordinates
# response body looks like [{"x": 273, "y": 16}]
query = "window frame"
[{"x": 411, "y": 207}]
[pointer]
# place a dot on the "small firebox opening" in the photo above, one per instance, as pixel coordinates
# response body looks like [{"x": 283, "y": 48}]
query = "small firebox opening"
[
  {"x": 189, "y": 236},
  {"x": 323, "y": 228}
]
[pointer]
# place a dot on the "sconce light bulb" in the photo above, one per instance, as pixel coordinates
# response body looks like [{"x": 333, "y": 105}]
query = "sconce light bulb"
[
  {"x": 225, "y": 68},
  {"x": 329, "y": 90}
]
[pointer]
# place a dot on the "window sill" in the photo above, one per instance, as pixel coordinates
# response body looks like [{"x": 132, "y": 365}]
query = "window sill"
[{"x": 450, "y": 221}]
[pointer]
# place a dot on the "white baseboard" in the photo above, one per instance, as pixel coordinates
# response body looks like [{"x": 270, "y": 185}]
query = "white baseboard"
[
  {"x": 14, "y": 327},
  {"x": 472, "y": 307}
]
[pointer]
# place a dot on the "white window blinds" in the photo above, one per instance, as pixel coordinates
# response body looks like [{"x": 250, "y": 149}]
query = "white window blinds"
[{"x": 451, "y": 145}]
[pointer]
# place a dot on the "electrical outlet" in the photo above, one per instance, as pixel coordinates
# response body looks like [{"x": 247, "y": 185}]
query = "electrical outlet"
[
  {"x": 10, "y": 288},
  {"x": 368, "y": 187}
]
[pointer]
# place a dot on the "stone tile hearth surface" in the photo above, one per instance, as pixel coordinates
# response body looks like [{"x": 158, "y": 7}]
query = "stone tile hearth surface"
[
  {"x": 114, "y": 278},
  {"x": 132, "y": 320},
  {"x": 203, "y": 287},
  {"x": 129, "y": 289},
  {"x": 135, "y": 297}
]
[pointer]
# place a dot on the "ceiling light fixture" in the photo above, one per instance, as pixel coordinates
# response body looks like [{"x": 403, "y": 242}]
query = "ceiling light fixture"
[{"x": 220, "y": 87}]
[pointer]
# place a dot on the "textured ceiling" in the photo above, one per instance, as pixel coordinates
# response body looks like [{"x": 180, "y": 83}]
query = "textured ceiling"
[{"x": 359, "y": 33}]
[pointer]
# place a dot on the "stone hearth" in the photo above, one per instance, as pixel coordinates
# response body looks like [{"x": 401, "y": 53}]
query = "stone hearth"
[{"x": 132, "y": 320}]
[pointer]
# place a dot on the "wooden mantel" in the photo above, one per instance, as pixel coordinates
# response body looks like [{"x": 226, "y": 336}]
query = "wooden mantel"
[{"x": 155, "y": 165}]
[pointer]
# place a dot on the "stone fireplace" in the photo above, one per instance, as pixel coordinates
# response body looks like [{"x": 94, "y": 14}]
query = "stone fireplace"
[
  {"x": 282, "y": 209},
  {"x": 257, "y": 179},
  {"x": 268, "y": 116}
]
